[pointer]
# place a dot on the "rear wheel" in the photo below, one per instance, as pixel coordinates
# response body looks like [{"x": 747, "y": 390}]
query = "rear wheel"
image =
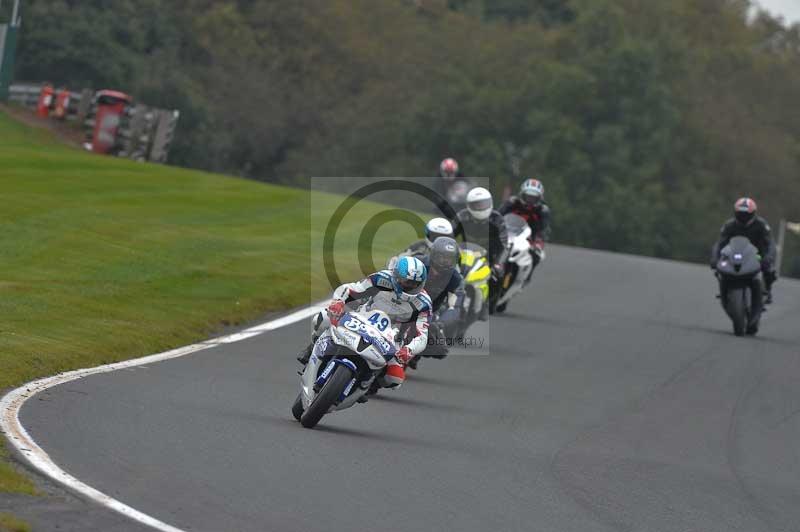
[
  {"x": 737, "y": 310},
  {"x": 327, "y": 396}
]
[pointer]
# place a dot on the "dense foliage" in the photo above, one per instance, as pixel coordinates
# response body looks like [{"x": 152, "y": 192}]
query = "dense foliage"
[{"x": 645, "y": 118}]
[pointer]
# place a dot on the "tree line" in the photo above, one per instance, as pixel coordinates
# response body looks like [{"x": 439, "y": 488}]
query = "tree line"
[{"x": 644, "y": 119}]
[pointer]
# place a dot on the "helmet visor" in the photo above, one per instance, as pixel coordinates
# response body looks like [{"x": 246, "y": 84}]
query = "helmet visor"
[
  {"x": 410, "y": 286},
  {"x": 443, "y": 261},
  {"x": 744, "y": 217},
  {"x": 480, "y": 205},
  {"x": 531, "y": 199}
]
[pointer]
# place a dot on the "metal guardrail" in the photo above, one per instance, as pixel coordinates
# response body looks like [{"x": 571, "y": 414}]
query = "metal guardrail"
[
  {"x": 145, "y": 133},
  {"x": 24, "y": 94}
]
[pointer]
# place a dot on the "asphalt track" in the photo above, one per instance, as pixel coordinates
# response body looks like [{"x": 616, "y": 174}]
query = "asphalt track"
[{"x": 615, "y": 398}]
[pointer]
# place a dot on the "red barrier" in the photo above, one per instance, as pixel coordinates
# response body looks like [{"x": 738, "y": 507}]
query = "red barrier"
[
  {"x": 62, "y": 104},
  {"x": 45, "y": 101}
]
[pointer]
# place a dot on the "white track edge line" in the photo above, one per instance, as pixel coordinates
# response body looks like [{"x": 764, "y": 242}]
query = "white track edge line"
[{"x": 12, "y": 402}]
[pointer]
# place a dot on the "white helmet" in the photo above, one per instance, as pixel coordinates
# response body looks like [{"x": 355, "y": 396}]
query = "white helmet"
[
  {"x": 479, "y": 203},
  {"x": 437, "y": 227}
]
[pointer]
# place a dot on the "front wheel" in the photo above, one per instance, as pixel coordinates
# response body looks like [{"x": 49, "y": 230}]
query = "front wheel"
[
  {"x": 327, "y": 396},
  {"x": 297, "y": 407},
  {"x": 737, "y": 310}
]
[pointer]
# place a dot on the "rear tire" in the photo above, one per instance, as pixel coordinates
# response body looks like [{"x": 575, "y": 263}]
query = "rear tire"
[
  {"x": 327, "y": 396},
  {"x": 297, "y": 407},
  {"x": 737, "y": 311}
]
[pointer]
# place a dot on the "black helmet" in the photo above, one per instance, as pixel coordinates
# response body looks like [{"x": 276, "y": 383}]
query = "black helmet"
[{"x": 444, "y": 253}]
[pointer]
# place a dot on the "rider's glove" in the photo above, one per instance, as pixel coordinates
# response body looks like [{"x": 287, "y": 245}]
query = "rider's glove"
[
  {"x": 404, "y": 355},
  {"x": 335, "y": 310},
  {"x": 497, "y": 271}
]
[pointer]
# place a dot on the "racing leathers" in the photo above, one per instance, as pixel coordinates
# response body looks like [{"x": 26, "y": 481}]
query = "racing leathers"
[
  {"x": 443, "y": 286},
  {"x": 491, "y": 234},
  {"x": 410, "y": 313},
  {"x": 760, "y": 235},
  {"x": 538, "y": 218},
  {"x": 447, "y": 295}
]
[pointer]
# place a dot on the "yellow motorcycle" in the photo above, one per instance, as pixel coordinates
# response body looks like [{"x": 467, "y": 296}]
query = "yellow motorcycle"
[{"x": 476, "y": 273}]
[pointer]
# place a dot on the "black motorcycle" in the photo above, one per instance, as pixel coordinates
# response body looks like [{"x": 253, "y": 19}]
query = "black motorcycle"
[{"x": 740, "y": 284}]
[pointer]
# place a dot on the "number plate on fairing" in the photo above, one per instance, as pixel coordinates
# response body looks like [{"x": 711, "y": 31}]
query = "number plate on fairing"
[{"x": 370, "y": 333}]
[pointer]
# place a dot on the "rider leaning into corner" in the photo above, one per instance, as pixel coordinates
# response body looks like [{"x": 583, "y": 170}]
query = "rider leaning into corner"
[
  {"x": 481, "y": 224},
  {"x": 530, "y": 206},
  {"x": 747, "y": 223},
  {"x": 398, "y": 292}
]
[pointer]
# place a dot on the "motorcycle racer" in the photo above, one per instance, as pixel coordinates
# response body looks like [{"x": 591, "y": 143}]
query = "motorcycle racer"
[
  {"x": 481, "y": 224},
  {"x": 748, "y": 224},
  {"x": 399, "y": 293},
  {"x": 530, "y": 206},
  {"x": 445, "y": 286},
  {"x": 444, "y": 283}
]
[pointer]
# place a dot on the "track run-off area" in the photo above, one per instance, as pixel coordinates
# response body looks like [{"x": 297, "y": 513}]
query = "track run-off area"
[{"x": 614, "y": 397}]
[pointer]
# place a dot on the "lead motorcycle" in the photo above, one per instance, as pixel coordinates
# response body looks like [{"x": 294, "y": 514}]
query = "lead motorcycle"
[
  {"x": 344, "y": 364},
  {"x": 520, "y": 262},
  {"x": 741, "y": 285}
]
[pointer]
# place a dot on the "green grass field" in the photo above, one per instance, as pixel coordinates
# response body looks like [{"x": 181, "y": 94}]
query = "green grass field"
[{"x": 104, "y": 259}]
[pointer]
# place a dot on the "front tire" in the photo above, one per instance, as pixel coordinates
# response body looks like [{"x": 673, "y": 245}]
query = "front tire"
[
  {"x": 327, "y": 397},
  {"x": 297, "y": 407},
  {"x": 737, "y": 310}
]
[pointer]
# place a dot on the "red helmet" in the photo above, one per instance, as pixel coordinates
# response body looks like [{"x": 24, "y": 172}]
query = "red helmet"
[
  {"x": 448, "y": 168},
  {"x": 744, "y": 210}
]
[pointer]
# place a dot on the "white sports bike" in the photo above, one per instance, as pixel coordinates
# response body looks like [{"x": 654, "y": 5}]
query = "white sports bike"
[
  {"x": 345, "y": 361},
  {"x": 520, "y": 262}
]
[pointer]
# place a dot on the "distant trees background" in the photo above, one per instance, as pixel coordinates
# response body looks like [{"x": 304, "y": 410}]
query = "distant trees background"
[{"x": 645, "y": 119}]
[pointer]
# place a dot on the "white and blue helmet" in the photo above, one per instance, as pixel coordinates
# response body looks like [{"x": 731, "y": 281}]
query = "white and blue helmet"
[{"x": 408, "y": 276}]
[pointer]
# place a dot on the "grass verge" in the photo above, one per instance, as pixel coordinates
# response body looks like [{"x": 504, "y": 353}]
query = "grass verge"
[
  {"x": 9, "y": 523},
  {"x": 103, "y": 259}
]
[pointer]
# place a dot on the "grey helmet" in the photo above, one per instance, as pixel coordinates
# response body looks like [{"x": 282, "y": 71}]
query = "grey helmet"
[{"x": 444, "y": 254}]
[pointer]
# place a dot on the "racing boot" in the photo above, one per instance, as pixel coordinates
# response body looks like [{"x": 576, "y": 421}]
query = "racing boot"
[{"x": 305, "y": 353}]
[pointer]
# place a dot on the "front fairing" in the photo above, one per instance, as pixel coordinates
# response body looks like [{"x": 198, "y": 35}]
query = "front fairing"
[
  {"x": 739, "y": 259},
  {"x": 356, "y": 334}
]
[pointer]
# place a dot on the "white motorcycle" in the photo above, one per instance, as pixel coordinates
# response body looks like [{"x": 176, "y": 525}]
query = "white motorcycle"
[
  {"x": 520, "y": 262},
  {"x": 345, "y": 362}
]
